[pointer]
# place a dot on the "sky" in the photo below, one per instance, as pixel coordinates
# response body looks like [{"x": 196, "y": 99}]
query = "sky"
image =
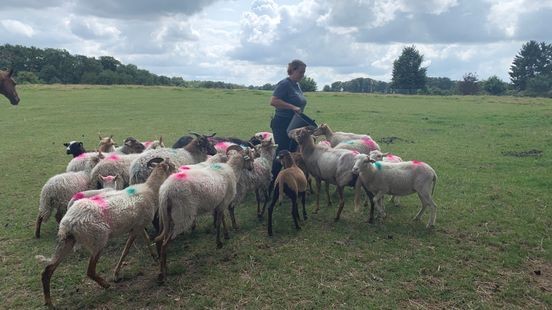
[{"x": 250, "y": 42}]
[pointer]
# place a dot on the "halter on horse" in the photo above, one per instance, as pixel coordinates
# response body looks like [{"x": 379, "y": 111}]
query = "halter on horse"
[{"x": 7, "y": 86}]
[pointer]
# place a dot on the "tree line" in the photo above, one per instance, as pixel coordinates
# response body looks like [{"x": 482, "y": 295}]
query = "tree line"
[{"x": 530, "y": 74}]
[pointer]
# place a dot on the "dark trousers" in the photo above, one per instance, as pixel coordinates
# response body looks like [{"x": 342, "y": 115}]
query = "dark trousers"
[{"x": 279, "y": 131}]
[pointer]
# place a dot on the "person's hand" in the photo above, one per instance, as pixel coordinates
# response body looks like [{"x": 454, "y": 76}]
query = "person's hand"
[{"x": 296, "y": 110}]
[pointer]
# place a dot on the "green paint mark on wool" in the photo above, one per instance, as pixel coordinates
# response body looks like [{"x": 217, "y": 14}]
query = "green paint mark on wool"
[
  {"x": 131, "y": 191},
  {"x": 216, "y": 166},
  {"x": 378, "y": 165}
]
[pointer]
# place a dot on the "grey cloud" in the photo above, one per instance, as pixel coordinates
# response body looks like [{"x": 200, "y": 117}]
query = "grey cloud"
[
  {"x": 139, "y": 9},
  {"x": 535, "y": 26},
  {"x": 31, "y": 4}
]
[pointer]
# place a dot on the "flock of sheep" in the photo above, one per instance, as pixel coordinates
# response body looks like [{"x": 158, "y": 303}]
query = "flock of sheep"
[{"x": 122, "y": 190}]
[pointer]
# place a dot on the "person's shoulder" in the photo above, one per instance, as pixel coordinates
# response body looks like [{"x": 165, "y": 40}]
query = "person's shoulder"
[{"x": 285, "y": 81}]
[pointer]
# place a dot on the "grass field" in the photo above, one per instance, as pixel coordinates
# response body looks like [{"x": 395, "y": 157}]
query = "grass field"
[{"x": 491, "y": 247}]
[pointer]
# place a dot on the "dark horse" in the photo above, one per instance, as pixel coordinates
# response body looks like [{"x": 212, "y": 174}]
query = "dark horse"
[{"x": 7, "y": 86}]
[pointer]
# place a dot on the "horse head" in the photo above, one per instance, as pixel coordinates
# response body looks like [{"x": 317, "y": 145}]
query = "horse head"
[{"x": 7, "y": 86}]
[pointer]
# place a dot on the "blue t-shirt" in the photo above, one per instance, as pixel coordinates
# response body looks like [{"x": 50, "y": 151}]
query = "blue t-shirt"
[{"x": 290, "y": 92}]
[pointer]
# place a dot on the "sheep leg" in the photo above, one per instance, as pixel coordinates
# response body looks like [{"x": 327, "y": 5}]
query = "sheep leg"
[
  {"x": 130, "y": 241},
  {"x": 39, "y": 220},
  {"x": 357, "y": 195},
  {"x": 91, "y": 272},
  {"x": 148, "y": 245},
  {"x": 258, "y": 199},
  {"x": 224, "y": 228},
  {"x": 294, "y": 210},
  {"x": 328, "y": 193},
  {"x": 163, "y": 260},
  {"x": 58, "y": 215},
  {"x": 426, "y": 200},
  {"x": 63, "y": 249},
  {"x": 231, "y": 208},
  {"x": 341, "y": 202},
  {"x": 219, "y": 215},
  {"x": 378, "y": 200},
  {"x": 396, "y": 201},
  {"x": 303, "y": 194},
  {"x": 318, "y": 185},
  {"x": 275, "y": 197}
]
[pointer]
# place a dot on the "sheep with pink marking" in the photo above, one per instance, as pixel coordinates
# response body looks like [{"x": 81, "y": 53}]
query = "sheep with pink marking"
[
  {"x": 363, "y": 145},
  {"x": 59, "y": 189},
  {"x": 109, "y": 183},
  {"x": 91, "y": 222},
  {"x": 116, "y": 165},
  {"x": 398, "y": 179},
  {"x": 336, "y": 137},
  {"x": 196, "y": 192}
]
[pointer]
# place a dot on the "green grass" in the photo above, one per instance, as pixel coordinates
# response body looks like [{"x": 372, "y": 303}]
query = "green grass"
[{"x": 492, "y": 235}]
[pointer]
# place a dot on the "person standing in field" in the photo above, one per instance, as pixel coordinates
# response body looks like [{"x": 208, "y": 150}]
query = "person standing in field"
[{"x": 287, "y": 99}]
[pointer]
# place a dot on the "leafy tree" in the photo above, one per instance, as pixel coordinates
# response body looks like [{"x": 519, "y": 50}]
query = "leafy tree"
[
  {"x": 495, "y": 86},
  {"x": 307, "y": 84},
  {"x": 109, "y": 63},
  {"x": 27, "y": 77},
  {"x": 408, "y": 73},
  {"x": 469, "y": 85},
  {"x": 327, "y": 88},
  {"x": 534, "y": 59},
  {"x": 540, "y": 86},
  {"x": 49, "y": 74}
]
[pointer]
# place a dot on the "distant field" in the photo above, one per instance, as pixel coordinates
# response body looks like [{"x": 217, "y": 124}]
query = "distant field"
[{"x": 491, "y": 247}]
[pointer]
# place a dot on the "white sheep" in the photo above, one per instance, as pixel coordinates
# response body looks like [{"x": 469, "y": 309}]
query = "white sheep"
[
  {"x": 59, "y": 189},
  {"x": 335, "y": 137},
  {"x": 195, "y": 192},
  {"x": 399, "y": 179},
  {"x": 79, "y": 162},
  {"x": 377, "y": 155},
  {"x": 327, "y": 164},
  {"x": 116, "y": 165},
  {"x": 108, "y": 183},
  {"x": 93, "y": 221},
  {"x": 256, "y": 181},
  {"x": 194, "y": 152},
  {"x": 363, "y": 145}
]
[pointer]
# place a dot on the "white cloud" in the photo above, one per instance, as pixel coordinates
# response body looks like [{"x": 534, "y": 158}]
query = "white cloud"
[{"x": 17, "y": 27}]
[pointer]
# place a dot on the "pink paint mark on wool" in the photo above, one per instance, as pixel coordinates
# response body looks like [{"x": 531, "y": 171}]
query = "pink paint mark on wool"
[
  {"x": 147, "y": 143},
  {"x": 78, "y": 196},
  {"x": 185, "y": 167},
  {"x": 181, "y": 176},
  {"x": 355, "y": 152},
  {"x": 266, "y": 134},
  {"x": 82, "y": 156},
  {"x": 223, "y": 145},
  {"x": 369, "y": 142},
  {"x": 112, "y": 157},
  {"x": 104, "y": 207},
  {"x": 416, "y": 163}
]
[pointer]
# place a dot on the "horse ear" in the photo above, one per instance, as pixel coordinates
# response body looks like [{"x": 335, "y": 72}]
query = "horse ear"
[{"x": 10, "y": 72}]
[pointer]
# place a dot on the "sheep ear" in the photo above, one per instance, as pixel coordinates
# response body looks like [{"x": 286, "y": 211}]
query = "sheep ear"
[
  {"x": 66, "y": 144},
  {"x": 160, "y": 139},
  {"x": 154, "y": 161},
  {"x": 234, "y": 147},
  {"x": 99, "y": 136}
]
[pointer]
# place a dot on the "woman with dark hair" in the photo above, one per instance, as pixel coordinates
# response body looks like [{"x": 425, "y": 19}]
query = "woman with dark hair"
[{"x": 287, "y": 99}]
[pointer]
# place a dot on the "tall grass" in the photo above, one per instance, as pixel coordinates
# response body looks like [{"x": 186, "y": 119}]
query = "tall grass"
[{"x": 491, "y": 246}]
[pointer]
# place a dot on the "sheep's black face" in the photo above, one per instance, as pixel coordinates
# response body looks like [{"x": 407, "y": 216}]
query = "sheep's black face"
[
  {"x": 75, "y": 148},
  {"x": 206, "y": 146}
]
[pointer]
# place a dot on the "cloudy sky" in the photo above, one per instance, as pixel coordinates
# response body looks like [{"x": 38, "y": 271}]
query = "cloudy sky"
[{"x": 250, "y": 42}]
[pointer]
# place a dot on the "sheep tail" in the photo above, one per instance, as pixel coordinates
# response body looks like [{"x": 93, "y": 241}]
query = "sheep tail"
[
  {"x": 434, "y": 183},
  {"x": 164, "y": 209},
  {"x": 44, "y": 207},
  {"x": 63, "y": 246}
]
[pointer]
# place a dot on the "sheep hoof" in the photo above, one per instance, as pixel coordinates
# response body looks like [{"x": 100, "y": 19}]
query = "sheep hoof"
[{"x": 160, "y": 279}]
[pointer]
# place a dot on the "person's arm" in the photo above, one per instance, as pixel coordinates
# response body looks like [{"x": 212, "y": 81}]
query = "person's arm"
[{"x": 281, "y": 104}]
